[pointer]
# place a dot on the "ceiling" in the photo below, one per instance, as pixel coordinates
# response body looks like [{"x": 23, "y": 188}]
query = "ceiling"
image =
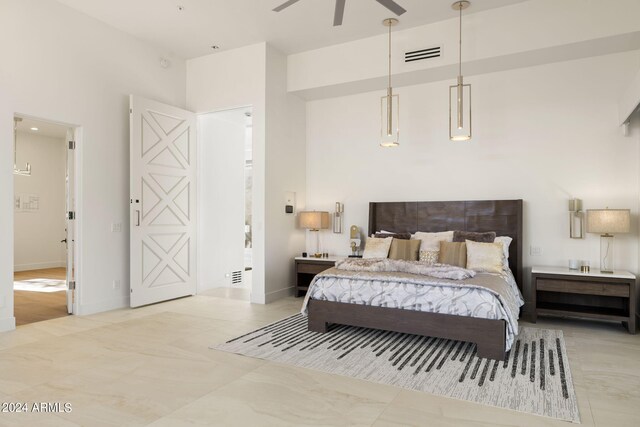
[
  {"x": 49, "y": 129},
  {"x": 230, "y": 24}
]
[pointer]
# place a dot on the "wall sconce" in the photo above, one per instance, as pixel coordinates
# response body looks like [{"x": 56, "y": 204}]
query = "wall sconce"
[
  {"x": 576, "y": 219},
  {"x": 337, "y": 218}
]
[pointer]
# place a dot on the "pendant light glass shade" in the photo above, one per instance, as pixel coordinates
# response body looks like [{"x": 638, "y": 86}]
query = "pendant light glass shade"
[
  {"x": 390, "y": 109},
  {"x": 460, "y": 93},
  {"x": 389, "y": 105},
  {"x": 460, "y": 111}
]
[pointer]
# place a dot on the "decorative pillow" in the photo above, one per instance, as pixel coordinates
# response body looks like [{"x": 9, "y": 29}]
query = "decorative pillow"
[
  {"x": 429, "y": 257},
  {"x": 404, "y": 249},
  {"x": 506, "y": 241},
  {"x": 461, "y": 236},
  {"x": 377, "y": 248},
  {"x": 385, "y": 234},
  {"x": 431, "y": 241},
  {"x": 453, "y": 253},
  {"x": 487, "y": 257}
]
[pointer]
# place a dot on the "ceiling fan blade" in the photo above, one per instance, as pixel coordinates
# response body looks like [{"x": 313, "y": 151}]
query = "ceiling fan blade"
[
  {"x": 284, "y": 5},
  {"x": 392, "y": 6},
  {"x": 339, "y": 13}
]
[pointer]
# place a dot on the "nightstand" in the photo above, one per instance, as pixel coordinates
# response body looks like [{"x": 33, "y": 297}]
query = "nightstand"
[
  {"x": 558, "y": 291},
  {"x": 307, "y": 268}
]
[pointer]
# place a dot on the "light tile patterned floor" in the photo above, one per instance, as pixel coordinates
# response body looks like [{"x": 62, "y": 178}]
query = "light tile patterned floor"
[{"x": 152, "y": 366}]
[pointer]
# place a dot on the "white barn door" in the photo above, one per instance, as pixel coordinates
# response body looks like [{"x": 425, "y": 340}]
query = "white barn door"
[{"x": 163, "y": 202}]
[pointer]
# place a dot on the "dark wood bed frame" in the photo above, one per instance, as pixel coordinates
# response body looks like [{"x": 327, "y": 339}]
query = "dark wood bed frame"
[{"x": 502, "y": 216}]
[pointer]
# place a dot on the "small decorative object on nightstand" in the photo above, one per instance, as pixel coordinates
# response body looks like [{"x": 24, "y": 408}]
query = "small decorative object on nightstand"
[
  {"x": 307, "y": 268},
  {"x": 558, "y": 291}
]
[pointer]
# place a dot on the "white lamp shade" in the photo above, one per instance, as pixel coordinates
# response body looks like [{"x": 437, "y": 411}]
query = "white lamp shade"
[
  {"x": 314, "y": 220},
  {"x": 608, "y": 221}
]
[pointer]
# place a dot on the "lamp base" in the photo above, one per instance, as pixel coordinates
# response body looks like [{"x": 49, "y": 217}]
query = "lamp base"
[{"x": 606, "y": 254}]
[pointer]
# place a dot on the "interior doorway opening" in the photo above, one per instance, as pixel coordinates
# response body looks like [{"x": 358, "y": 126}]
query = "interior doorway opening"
[
  {"x": 44, "y": 213},
  {"x": 225, "y": 253}
]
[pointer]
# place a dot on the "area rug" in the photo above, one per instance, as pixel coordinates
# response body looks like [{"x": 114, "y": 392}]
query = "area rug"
[
  {"x": 40, "y": 285},
  {"x": 535, "y": 378}
]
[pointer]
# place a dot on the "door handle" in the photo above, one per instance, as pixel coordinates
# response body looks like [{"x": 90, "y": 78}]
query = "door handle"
[
  {"x": 63, "y": 241},
  {"x": 137, "y": 217}
]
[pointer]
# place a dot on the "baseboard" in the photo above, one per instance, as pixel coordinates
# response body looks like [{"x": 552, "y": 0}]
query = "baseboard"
[
  {"x": 7, "y": 324},
  {"x": 39, "y": 266},
  {"x": 258, "y": 298},
  {"x": 99, "y": 307},
  {"x": 279, "y": 294}
]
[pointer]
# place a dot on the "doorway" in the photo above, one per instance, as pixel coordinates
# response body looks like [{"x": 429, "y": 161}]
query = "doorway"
[
  {"x": 225, "y": 141},
  {"x": 44, "y": 184}
]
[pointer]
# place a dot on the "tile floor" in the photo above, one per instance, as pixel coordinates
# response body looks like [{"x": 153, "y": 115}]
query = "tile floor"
[{"x": 152, "y": 366}]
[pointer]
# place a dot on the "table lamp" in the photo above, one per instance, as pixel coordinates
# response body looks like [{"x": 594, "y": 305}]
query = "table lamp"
[
  {"x": 315, "y": 221},
  {"x": 607, "y": 222}
]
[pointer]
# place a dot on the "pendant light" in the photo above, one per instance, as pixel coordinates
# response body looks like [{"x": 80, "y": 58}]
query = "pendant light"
[
  {"x": 390, "y": 104},
  {"x": 16, "y": 171},
  {"x": 460, "y": 94}
]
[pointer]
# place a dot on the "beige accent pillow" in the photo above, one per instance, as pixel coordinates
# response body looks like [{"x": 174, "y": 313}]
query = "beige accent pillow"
[
  {"x": 404, "y": 249},
  {"x": 431, "y": 241},
  {"x": 485, "y": 257},
  {"x": 453, "y": 253},
  {"x": 377, "y": 248},
  {"x": 429, "y": 257},
  {"x": 506, "y": 242}
]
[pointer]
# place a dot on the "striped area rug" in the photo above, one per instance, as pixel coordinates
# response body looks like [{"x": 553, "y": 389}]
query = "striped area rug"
[{"x": 535, "y": 377}]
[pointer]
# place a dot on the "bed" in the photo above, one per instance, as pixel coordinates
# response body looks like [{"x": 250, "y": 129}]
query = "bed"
[{"x": 489, "y": 334}]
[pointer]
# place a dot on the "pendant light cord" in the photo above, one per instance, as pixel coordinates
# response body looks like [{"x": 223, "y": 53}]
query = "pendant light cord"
[
  {"x": 389, "y": 54},
  {"x": 460, "y": 42}
]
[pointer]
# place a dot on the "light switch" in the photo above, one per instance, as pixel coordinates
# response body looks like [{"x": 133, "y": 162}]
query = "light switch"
[
  {"x": 535, "y": 250},
  {"x": 116, "y": 227}
]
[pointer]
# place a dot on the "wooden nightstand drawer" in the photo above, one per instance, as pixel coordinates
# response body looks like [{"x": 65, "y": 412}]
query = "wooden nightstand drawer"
[
  {"x": 312, "y": 268},
  {"x": 581, "y": 287}
]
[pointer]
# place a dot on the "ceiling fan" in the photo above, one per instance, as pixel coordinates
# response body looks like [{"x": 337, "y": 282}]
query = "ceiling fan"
[{"x": 339, "y": 12}]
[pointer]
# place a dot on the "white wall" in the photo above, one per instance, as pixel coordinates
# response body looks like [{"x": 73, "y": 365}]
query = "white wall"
[
  {"x": 256, "y": 76},
  {"x": 91, "y": 69},
  {"x": 37, "y": 233},
  {"x": 221, "y": 140},
  {"x": 231, "y": 79},
  {"x": 543, "y": 134},
  {"x": 286, "y": 172}
]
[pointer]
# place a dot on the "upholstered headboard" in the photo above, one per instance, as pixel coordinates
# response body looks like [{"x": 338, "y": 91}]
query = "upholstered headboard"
[{"x": 502, "y": 216}]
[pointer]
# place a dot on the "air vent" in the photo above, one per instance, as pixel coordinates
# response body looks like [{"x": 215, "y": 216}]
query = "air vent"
[
  {"x": 419, "y": 55},
  {"x": 236, "y": 277}
]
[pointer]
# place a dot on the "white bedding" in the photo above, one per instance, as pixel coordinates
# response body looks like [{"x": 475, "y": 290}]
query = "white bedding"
[{"x": 461, "y": 298}]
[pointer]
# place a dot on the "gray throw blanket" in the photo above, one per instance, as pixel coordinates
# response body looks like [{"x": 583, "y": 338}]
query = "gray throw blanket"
[{"x": 440, "y": 271}]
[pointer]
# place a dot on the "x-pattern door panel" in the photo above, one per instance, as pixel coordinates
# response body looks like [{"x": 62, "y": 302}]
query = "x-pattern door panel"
[{"x": 163, "y": 226}]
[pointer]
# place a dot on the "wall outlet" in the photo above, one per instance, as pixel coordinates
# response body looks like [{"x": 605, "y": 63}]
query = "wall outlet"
[
  {"x": 535, "y": 251},
  {"x": 116, "y": 284},
  {"x": 116, "y": 227}
]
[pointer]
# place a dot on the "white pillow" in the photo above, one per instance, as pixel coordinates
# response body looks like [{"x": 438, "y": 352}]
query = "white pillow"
[
  {"x": 485, "y": 257},
  {"x": 431, "y": 241},
  {"x": 377, "y": 248},
  {"x": 506, "y": 241}
]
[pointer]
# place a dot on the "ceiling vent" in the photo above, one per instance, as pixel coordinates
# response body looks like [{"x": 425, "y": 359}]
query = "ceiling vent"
[{"x": 419, "y": 55}]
